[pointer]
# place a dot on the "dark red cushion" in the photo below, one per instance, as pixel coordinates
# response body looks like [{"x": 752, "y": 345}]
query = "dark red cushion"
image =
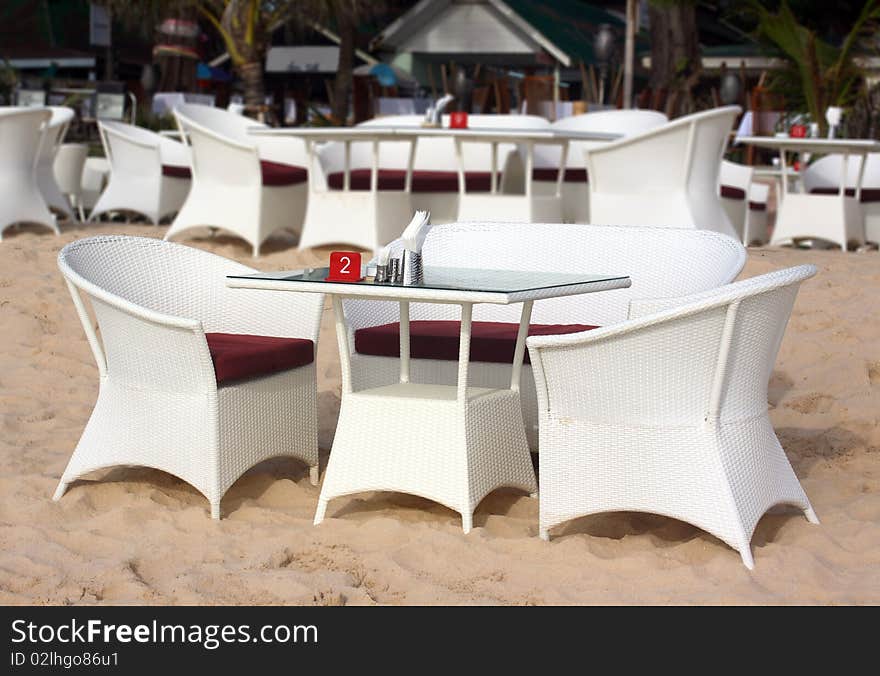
[
  {"x": 549, "y": 174},
  {"x": 240, "y": 356},
  {"x": 176, "y": 171},
  {"x": 758, "y": 206},
  {"x": 438, "y": 339},
  {"x": 277, "y": 174},
  {"x": 422, "y": 180},
  {"x": 730, "y": 192},
  {"x": 868, "y": 194}
]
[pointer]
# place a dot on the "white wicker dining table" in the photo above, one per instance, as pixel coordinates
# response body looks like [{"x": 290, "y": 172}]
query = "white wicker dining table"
[{"x": 453, "y": 444}]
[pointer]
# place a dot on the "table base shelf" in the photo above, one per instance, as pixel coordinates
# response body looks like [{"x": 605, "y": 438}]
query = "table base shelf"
[{"x": 402, "y": 438}]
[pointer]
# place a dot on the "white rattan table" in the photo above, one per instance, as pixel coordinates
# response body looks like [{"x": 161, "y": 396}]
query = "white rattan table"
[
  {"x": 453, "y": 444},
  {"x": 835, "y": 218}
]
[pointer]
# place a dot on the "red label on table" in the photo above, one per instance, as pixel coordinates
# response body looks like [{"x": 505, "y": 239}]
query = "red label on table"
[
  {"x": 798, "y": 131},
  {"x": 458, "y": 120},
  {"x": 345, "y": 266}
]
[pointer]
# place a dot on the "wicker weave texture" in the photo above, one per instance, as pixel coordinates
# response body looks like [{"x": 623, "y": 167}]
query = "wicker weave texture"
[
  {"x": 446, "y": 451},
  {"x": 667, "y": 413},
  {"x": 662, "y": 262},
  {"x": 158, "y": 404}
]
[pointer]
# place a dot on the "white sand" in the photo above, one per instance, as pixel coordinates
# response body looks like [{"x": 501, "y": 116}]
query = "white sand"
[{"x": 141, "y": 536}]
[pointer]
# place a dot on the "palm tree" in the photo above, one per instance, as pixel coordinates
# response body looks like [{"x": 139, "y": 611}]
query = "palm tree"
[
  {"x": 816, "y": 73},
  {"x": 245, "y": 26},
  {"x": 676, "y": 65}
]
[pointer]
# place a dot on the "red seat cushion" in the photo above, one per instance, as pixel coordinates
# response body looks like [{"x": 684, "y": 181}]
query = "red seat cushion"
[
  {"x": 868, "y": 194},
  {"x": 176, "y": 171},
  {"x": 422, "y": 180},
  {"x": 240, "y": 356},
  {"x": 277, "y": 174},
  {"x": 438, "y": 339},
  {"x": 758, "y": 206},
  {"x": 550, "y": 174},
  {"x": 732, "y": 193}
]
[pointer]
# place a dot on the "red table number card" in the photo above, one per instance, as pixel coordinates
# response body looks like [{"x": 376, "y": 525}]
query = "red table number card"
[{"x": 345, "y": 266}]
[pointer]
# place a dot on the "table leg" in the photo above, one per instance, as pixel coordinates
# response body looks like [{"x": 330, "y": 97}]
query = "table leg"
[
  {"x": 404, "y": 341},
  {"x": 346, "y": 176},
  {"x": 342, "y": 340},
  {"x": 464, "y": 351},
  {"x": 520, "y": 350},
  {"x": 494, "y": 179}
]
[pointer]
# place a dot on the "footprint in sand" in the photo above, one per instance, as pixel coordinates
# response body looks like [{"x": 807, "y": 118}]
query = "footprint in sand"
[
  {"x": 814, "y": 402},
  {"x": 874, "y": 372}
]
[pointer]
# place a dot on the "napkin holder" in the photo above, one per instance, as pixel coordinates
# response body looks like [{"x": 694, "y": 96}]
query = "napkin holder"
[{"x": 413, "y": 274}]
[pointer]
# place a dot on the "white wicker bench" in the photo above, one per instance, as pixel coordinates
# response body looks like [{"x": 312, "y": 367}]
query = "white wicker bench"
[{"x": 661, "y": 262}]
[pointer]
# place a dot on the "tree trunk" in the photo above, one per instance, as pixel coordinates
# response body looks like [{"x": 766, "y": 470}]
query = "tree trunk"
[
  {"x": 251, "y": 74},
  {"x": 342, "y": 83},
  {"x": 675, "y": 53}
]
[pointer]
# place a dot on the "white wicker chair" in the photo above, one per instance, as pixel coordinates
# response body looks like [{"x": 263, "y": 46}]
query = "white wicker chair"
[
  {"x": 665, "y": 176},
  {"x": 667, "y": 412},
  {"x": 68, "y": 168},
  {"x": 21, "y": 133},
  {"x": 53, "y": 137},
  {"x": 95, "y": 174},
  {"x": 823, "y": 177},
  {"x": 159, "y": 404},
  {"x": 575, "y": 192},
  {"x": 241, "y": 184},
  {"x": 660, "y": 261},
  {"x": 149, "y": 173},
  {"x": 744, "y": 201}
]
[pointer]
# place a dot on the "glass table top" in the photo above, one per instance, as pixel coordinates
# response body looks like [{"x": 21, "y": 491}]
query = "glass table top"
[{"x": 454, "y": 279}]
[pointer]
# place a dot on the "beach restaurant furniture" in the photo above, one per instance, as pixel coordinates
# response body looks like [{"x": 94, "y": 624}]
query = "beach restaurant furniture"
[
  {"x": 667, "y": 412},
  {"x": 453, "y": 444},
  {"x": 243, "y": 185},
  {"x": 837, "y": 217},
  {"x": 666, "y": 176},
  {"x": 53, "y": 137},
  {"x": 195, "y": 379},
  {"x": 575, "y": 192},
  {"x": 435, "y": 184},
  {"x": 822, "y": 177},
  {"x": 149, "y": 173},
  {"x": 21, "y": 132},
  {"x": 339, "y": 209},
  {"x": 661, "y": 262},
  {"x": 70, "y": 161},
  {"x": 745, "y": 202}
]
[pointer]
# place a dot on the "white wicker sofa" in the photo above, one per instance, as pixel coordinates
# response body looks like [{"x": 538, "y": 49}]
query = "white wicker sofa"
[
  {"x": 196, "y": 379},
  {"x": 667, "y": 412},
  {"x": 661, "y": 261}
]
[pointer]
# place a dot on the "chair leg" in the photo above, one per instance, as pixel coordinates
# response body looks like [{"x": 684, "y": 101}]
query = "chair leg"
[
  {"x": 811, "y": 515},
  {"x": 467, "y": 522},
  {"x": 747, "y": 559},
  {"x": 544, "y": 534},
  {"x": 313, "y": 475},
  {"x": 215, "y": 510},
  {"x": 320, "y": 512},
  {"x": 60, "y": 491}
]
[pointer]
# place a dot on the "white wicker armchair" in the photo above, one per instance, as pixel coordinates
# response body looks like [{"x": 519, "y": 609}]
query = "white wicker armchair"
[
  {"x": 667, "y": 412},
  {"x": 660, "y": 261},
  {"x": 664, "y": 176},
  {"x": 159, "y": 306}
]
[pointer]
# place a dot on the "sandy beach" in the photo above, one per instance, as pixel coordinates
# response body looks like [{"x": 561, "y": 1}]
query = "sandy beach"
[{"x": 142, "y": 536}]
